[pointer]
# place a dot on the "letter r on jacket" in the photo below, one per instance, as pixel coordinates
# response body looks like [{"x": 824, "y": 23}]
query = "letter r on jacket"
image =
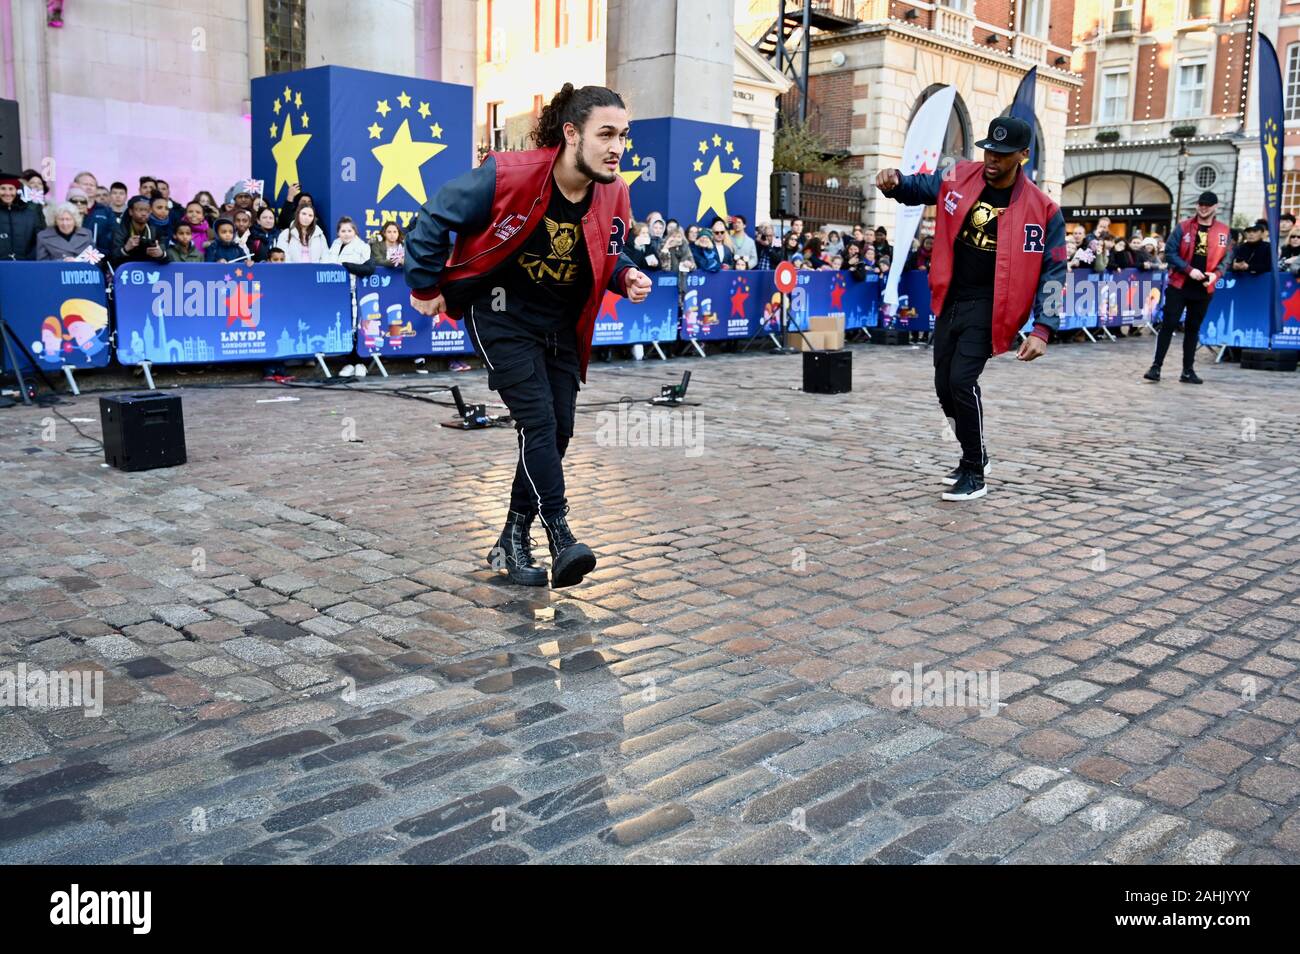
[{"x": 1033, "y": 237}]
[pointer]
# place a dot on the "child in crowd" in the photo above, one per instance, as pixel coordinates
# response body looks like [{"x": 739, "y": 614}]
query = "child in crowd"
[
  {"x": 225, "y": 248},
  {"x": 182, "y": 247},
  {"x": 304, "y": 240},
  {"x": 388, "y": 247},
  {"x": 348, "y": 248}
]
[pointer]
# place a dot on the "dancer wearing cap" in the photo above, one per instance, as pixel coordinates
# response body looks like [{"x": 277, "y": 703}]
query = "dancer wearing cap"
[
  {"x": 1194, "y": 252},
  {"x": 539, "y": 238},
  {"x": 998, "y": 258}
]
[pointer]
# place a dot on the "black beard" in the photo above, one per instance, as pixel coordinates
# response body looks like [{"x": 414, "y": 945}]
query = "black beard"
[{"x": 586, "y": 170}]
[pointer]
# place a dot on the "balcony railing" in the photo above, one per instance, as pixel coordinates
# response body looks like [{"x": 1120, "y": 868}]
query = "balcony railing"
[
  {"x": 1121, "y": 21},
  {"x": 1030, "y": 48},
  {"x": 954, "y": 24}
]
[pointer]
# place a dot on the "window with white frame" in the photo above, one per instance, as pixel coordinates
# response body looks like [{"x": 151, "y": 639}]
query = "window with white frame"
[
  {"x": 1293, "y": 82},
  {"x": 1121, "y": 15},
  {"x": 1189, "y": 95},
  {"x": 1033, "y": 18},
  {"x": 1199, "y": 9},
  {"x": 961, "y": 6},
  {"x": 1114, "y": 96}
]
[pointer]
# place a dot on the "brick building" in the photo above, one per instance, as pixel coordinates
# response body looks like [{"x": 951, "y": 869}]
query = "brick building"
[
  {"x": 1167, "y": 89},
  {"x": 868, "y": 79}
]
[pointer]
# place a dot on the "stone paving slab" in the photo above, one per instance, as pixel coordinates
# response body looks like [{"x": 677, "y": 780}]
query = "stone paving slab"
[{"x": 787, "y": 653}]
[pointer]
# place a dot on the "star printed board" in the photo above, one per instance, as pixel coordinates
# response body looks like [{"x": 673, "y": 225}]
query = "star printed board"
[
  {"x": 691, "y": 171},
  {"x": 368, "y": 145}
]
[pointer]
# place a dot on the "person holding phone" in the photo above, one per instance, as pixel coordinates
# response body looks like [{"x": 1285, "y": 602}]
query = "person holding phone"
[{"x": 135, "y": 240}]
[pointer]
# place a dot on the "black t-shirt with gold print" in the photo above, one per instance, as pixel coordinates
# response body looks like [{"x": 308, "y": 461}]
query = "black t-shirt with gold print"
[
  {"x": 548, "y": 280},
  {"x": 975, "y": 251}
]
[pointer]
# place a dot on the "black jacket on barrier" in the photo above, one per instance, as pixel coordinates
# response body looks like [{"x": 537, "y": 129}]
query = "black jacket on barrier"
[{"x": 19, "y": 224}]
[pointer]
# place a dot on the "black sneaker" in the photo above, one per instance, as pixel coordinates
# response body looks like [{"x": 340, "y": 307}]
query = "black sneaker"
[
  {"x": 1189, "y": 377},
  {"x": 1153, "y": 374},
  {"x": 968, "y": 487},
  {"x": 954, "y": 475}
]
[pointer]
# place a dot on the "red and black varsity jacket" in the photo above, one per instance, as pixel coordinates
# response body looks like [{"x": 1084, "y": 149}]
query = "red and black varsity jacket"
[
  {"x": 492, "y": 210},
  {"x": 1182, "y": 246}
]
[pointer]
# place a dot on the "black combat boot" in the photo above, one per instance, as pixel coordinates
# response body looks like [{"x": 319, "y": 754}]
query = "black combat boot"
[
  {"x": 513, "y": 552},
  {"x": 570, "y": 560}
]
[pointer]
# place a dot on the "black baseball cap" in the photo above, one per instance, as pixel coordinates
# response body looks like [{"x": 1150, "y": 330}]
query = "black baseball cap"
[
  {"x": 1261, "y": 225},
  {"x": 1007, "y": 134},
  {"x": 1207, "y": 198}
]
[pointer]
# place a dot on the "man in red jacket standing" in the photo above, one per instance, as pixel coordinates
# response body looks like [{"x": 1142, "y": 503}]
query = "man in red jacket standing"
[
  {"x": 539, "y": 237},
  {"x": 998, "y": 259},
  {"x": 1194, "y": 252}
]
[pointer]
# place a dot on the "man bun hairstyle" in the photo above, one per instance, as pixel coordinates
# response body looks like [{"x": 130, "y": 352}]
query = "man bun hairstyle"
[{"x": 571, "y": 105}]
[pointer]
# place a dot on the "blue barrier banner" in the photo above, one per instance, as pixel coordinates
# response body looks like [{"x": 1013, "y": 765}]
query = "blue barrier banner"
[
  {"x": 1239, "y": 314},
  {"x": 1289, "y": 316},
  {"x": 719, "y": 306},
  {"x": 203, "y": 313},
  {"x": 621, "y": 322},
  {"x": 59, "y": 311},
  {"x": 387, "y": 325},
  {"x": 862, "y": 302}
]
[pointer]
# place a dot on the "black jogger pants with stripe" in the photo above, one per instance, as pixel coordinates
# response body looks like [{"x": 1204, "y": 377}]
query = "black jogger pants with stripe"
[
  {"x": 536, "y": 374},
  {"x": 963, "y": 342}
]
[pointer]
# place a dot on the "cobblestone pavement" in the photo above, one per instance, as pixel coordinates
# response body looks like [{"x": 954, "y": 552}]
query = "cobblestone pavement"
[{"x": 307, "y": 660}]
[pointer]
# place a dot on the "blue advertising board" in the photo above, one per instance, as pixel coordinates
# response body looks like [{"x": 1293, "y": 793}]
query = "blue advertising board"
[{"x": 202, "y": 313}]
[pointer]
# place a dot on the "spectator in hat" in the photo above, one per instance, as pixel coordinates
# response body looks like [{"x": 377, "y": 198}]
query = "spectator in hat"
[
  {"x": 1254, "y": 256},
  {"x": 135, "y": 239},
  {"x": 1196, "y": 251},
  {"x": 20, "y": 221},
  {"x": 65, "y": 239}
]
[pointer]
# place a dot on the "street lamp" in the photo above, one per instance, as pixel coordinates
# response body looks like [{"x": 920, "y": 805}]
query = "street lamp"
[{"x": 1182, "y": 172}]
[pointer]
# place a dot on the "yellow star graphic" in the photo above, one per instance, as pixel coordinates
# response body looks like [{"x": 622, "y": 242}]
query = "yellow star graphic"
[
  {"x": 297, "y": 99},
  {"x": 423, "y": 110},
  {"x": 402, "y": 159},
  {"x": 704, "y": 147},
  {"x": 375, "y": 130},
  {"x": 1270, "y": 147},
  {"x": 286, "y": 94},
  {"x": 728, "y": 147},
  {"x": 629, "y": 142},
  {"x": 286, "y": 153},
  {"x": 404, "y": 100},
  {"x": 273, "y": 127},
  {"x": 304, "y": 120},
  {"x": 436, "y": 130},
  {"x": 275, "y": 107},
  {"x": 717, "y": 140},
  {"x": 713, "y": 186},
  {"x": 382, "y": 108},
  {"x": 636, "y": 160},
  {"x": 735, "y": 162},
  {"x": 698, "y": 165}
]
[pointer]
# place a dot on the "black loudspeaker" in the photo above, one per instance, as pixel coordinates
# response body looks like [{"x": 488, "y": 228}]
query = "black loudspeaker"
[
  {"x": 11, "y": 142},
  {"x": 142, "y": 431},
  {"x": 828, "y": 372},
  {"x": 785, "y": 195},
  {"x": 1262, "y": 359}
]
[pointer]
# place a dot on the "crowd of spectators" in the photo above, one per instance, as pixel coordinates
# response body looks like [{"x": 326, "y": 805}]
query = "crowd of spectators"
[{"x": 96, "y": 223}]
